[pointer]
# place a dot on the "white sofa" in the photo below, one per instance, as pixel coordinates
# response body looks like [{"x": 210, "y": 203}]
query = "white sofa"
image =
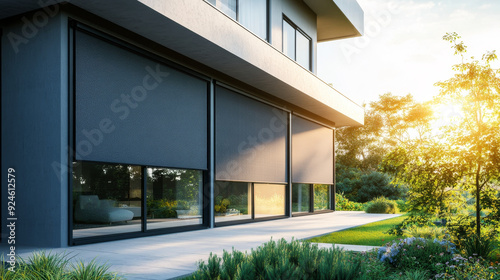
[{"x": 91, "y": 209}]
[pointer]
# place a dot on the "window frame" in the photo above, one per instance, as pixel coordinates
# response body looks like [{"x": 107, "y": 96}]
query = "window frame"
[
  {"x": 237, "y": 18},
  {"x": 253, "y": 218},
  {"x": 74, "y": 26},
  {"x": 312, "y": 211},
  {"x": 297, "y": 30}
]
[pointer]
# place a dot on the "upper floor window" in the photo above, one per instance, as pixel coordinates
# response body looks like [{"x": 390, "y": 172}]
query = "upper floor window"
[
  {"x": 250, "y": 13},
  {"x": 296, "y": 44}
]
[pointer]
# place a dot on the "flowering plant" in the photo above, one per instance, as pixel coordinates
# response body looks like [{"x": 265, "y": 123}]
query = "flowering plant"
[{"x": 412, "y": 253}]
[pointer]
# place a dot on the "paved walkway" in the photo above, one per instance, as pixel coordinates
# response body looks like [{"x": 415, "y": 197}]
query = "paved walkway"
[{"x": 169, "y": 256}]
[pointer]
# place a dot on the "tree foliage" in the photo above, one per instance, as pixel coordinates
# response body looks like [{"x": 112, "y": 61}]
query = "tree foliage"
[
  {"x": 476, "y": 135},
  {"x": 365, "y": 186},
  {"x": 466, "y": 154},
  {"x": 389, "y": 121},
  {"x": 430, "y": 171}
]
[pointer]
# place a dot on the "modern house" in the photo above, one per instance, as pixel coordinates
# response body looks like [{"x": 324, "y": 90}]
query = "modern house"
[{"x": 129, "y": 118}]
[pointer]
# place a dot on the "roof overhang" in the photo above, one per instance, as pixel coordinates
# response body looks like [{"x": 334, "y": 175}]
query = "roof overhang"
[
  {"x": 337, "y": 19},
  {"x": 197, "y": 30}
]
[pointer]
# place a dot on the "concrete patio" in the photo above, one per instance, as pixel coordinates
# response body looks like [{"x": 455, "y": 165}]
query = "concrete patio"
[{"x": 174, "y": 255}]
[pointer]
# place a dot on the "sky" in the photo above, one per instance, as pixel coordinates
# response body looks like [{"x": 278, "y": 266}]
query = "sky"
[{"x": 402, "y": 50}]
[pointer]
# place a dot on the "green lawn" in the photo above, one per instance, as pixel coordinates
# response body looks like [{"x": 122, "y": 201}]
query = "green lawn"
[{"x": 372, "y": 234}]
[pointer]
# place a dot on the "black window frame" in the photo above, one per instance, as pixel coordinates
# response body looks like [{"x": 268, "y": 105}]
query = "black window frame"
[
  {"x": 312, "y": 211},
  {"x": 299, "y": 30},
  {"x": 268, "y": 18},
  {"x": 252, "y": 218},
  {"x": 75, "y": 26}
]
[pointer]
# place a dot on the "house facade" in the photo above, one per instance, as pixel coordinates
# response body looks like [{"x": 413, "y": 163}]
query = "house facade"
[{"x": 129, "y": 118}]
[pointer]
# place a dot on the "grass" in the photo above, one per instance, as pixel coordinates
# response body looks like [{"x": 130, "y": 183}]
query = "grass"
[{"x": 372, "y": 234}]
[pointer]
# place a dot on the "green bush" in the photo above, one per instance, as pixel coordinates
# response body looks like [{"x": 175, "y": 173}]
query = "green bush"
[
  {"x": 281, "y": 260},
  {"x": 361, "y": 187},
  {"x": 411, "y": 258},
  {"x": 415, "y": 219},
  {"x": 482, "y": 246},
  {"x": 42, "y": 265},
  {"x": 417, "y": 253},
  {"x": 468, "y": 268},
  {"x": 344, "y": 204},
  {"x": 426, "y": 232},
  {"x": 402, "y": 205},
  {"x": 381, "y": 205},
  {"x": 411, "y": 275}
]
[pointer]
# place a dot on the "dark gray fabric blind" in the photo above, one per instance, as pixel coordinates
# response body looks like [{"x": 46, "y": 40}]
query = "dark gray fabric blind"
[
  {"x": 312, "y": 152},
  {"x": 130, "y": 109},
  {"x": 251, "y": 139}
]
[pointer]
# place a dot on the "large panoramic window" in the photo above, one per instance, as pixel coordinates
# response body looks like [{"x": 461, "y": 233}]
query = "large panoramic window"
[
  {"x": 250, "y": 13},
  {"x": 107, "y": 199},
  {"x": 296, "y": 44},
  {"x": 174, "y": 197},
  {"x": 233, "y": 201},
  {"x": 236, "y": 201},
  {"x": 133, "y": 117}
]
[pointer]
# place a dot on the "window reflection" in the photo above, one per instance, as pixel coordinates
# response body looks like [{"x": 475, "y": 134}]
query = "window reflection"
[
  {"x": 106, "y": 199},
  {"x": 321, "y": 197},
  {"x": 250, "y": 13},
  {"x": 269, "y": 200},
  {"x": 232, "y": 201},
  {"x": 301, "y": 197},
  {"x": 174, "y": 197},
  {"x": 296, "y": 45}
]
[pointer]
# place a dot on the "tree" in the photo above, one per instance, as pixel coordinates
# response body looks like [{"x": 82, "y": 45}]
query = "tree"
[
  {"x": 475, "y": 136},
  {"x": 389, "y": 121},
  {"x": 359, "y": 147},
  {"x": 430, "y": 169},
  {"x": 402, "y": 116}
]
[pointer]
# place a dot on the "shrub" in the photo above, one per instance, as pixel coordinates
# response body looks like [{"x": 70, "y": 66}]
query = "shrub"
[
  {"x": 417, "y": 253},
  {"x": 281, "y": 260},
  {"x": 468, "y": 268},
  {"x": 411, "y": 275},
  {"x": 416, "y": 219},
  {"x": 426, "y": 232},
  {"x": 344, "y": 204},
  {"x": 402, "y": 205},
  {"x": 42, "y": 265},
  {"x": 361, "y": 187},
  {"x": 481, "y": 246},
  {"x": 381, "y": 205}
]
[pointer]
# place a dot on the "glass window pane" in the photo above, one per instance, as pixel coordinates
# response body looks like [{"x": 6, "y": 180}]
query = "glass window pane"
[
  {"x": 228, "y": 7},
  {"x": 253, "y": 15},
  {"x": 321, "y": 197},
  {"x": 233, "y": 201},
  {"x": 106, "y": 199},
  {"x": 288, "y": 40},
  {"x": 269, "y": 200},
  {"x": 301, "y": 197},
  {"x": 303, "y": 50},
  {"x": 174, "y": 197}
]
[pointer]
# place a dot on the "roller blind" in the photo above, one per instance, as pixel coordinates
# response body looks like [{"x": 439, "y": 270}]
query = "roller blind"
[
  {"x": 131, "y": 109},
  {"x": 251, "y": 139},
  {"x": 312, "y": 152}
]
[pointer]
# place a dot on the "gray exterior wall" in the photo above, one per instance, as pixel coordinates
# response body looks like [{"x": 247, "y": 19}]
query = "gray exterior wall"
[
  {"x": 35, "y": 128},
  {"x": 301, "y": 15},
  {"x": 34, "y": 87}
]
